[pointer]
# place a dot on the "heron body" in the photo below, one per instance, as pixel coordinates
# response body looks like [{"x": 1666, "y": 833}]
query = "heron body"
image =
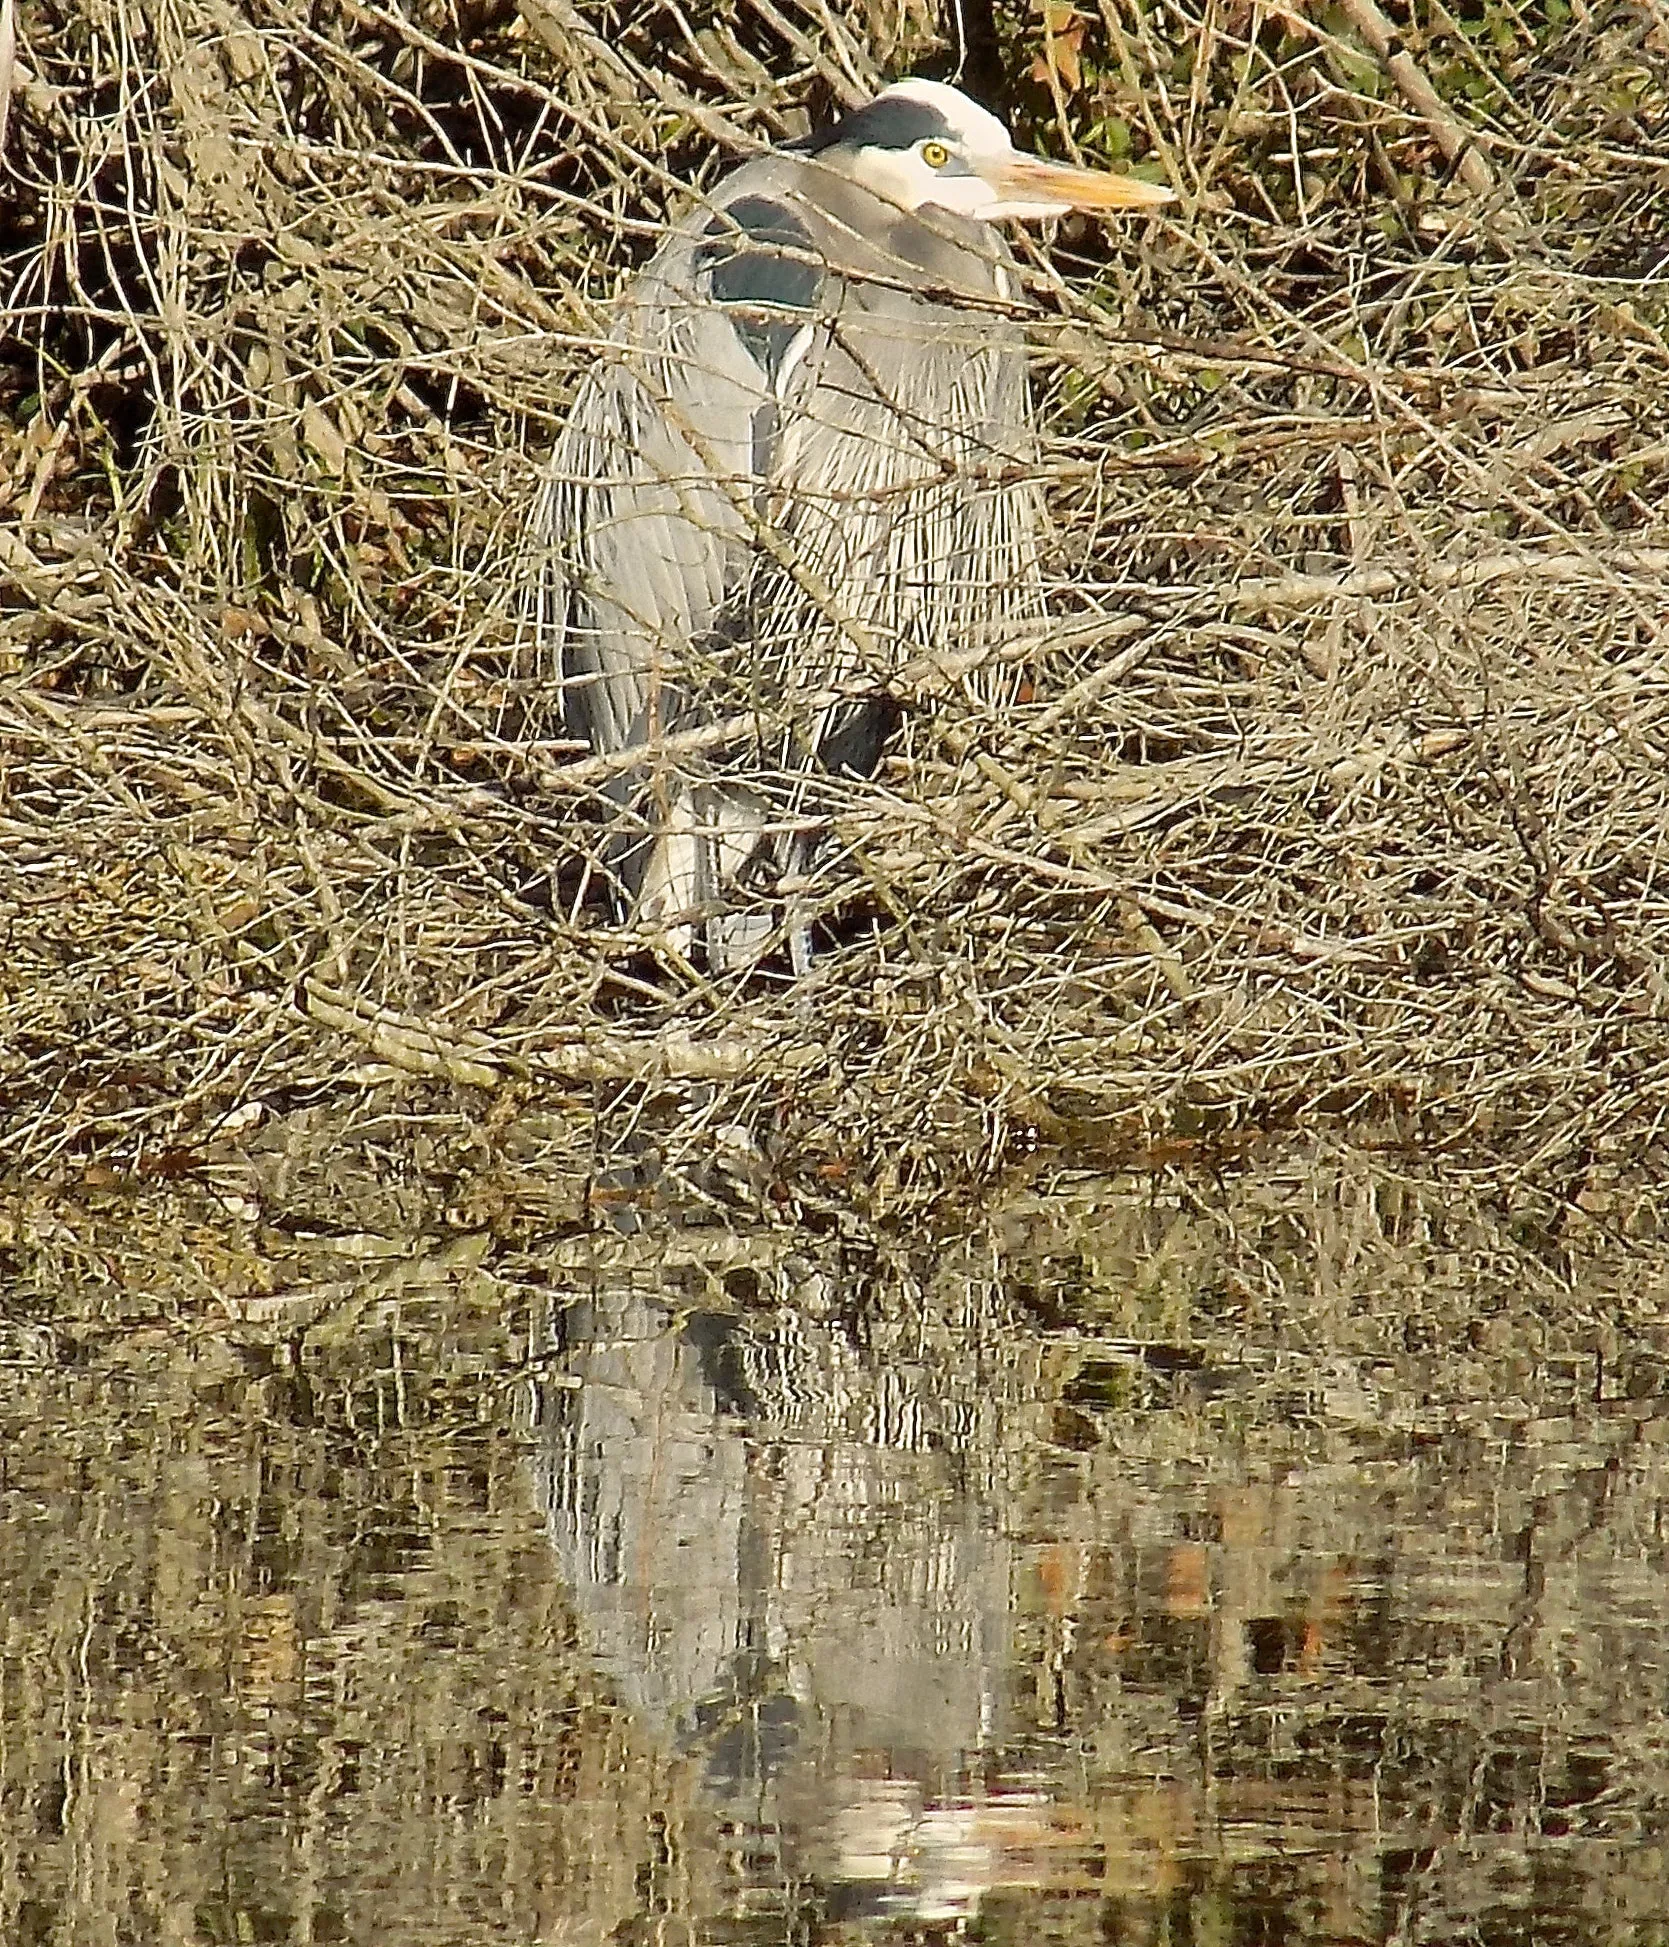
[{"x": 805, "y": 457}]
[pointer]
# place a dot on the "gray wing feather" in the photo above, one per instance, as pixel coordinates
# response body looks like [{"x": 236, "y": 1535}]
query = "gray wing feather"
[{"x": 642, "y": 519}]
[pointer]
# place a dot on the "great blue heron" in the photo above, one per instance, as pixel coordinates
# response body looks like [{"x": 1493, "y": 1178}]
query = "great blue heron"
[{"x": 803, "y": 458}]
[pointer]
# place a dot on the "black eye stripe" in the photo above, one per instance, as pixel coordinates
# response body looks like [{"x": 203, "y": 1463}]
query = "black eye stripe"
[{"x": 893, "y": 122}]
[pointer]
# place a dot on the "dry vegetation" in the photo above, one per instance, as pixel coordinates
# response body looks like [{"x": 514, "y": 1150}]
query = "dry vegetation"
[{"x": 1337, "y": 805}]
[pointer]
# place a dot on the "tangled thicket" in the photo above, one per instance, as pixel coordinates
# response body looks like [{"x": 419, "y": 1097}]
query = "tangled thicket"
[{"x": 1339, "y": 791}]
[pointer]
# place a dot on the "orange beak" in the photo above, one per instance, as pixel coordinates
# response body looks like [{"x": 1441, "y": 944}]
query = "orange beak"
[{"x": 1033, "y": 188}]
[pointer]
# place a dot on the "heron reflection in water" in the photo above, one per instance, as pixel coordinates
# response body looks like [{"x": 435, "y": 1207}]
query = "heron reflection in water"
[
  {"x": 789, "y": 1553},
  {"x": 805, "y": 457}
]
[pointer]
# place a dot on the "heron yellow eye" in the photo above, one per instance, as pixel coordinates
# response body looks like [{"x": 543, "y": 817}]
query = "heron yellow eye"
[{"x": 935, "y": 154}]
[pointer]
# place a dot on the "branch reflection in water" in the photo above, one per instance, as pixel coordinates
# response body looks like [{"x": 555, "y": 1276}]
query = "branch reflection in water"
[{"x": 949, "y": 1616}]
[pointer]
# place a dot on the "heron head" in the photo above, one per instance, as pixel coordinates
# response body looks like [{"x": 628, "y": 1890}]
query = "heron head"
[{"x": 924, "y": 144}]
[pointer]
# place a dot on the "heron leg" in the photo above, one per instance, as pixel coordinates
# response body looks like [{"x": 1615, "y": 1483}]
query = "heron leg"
[{"x": 799, "y": 942}]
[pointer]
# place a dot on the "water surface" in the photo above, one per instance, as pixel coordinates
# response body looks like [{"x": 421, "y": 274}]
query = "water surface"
[{"x": 707, "y": 1586}]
